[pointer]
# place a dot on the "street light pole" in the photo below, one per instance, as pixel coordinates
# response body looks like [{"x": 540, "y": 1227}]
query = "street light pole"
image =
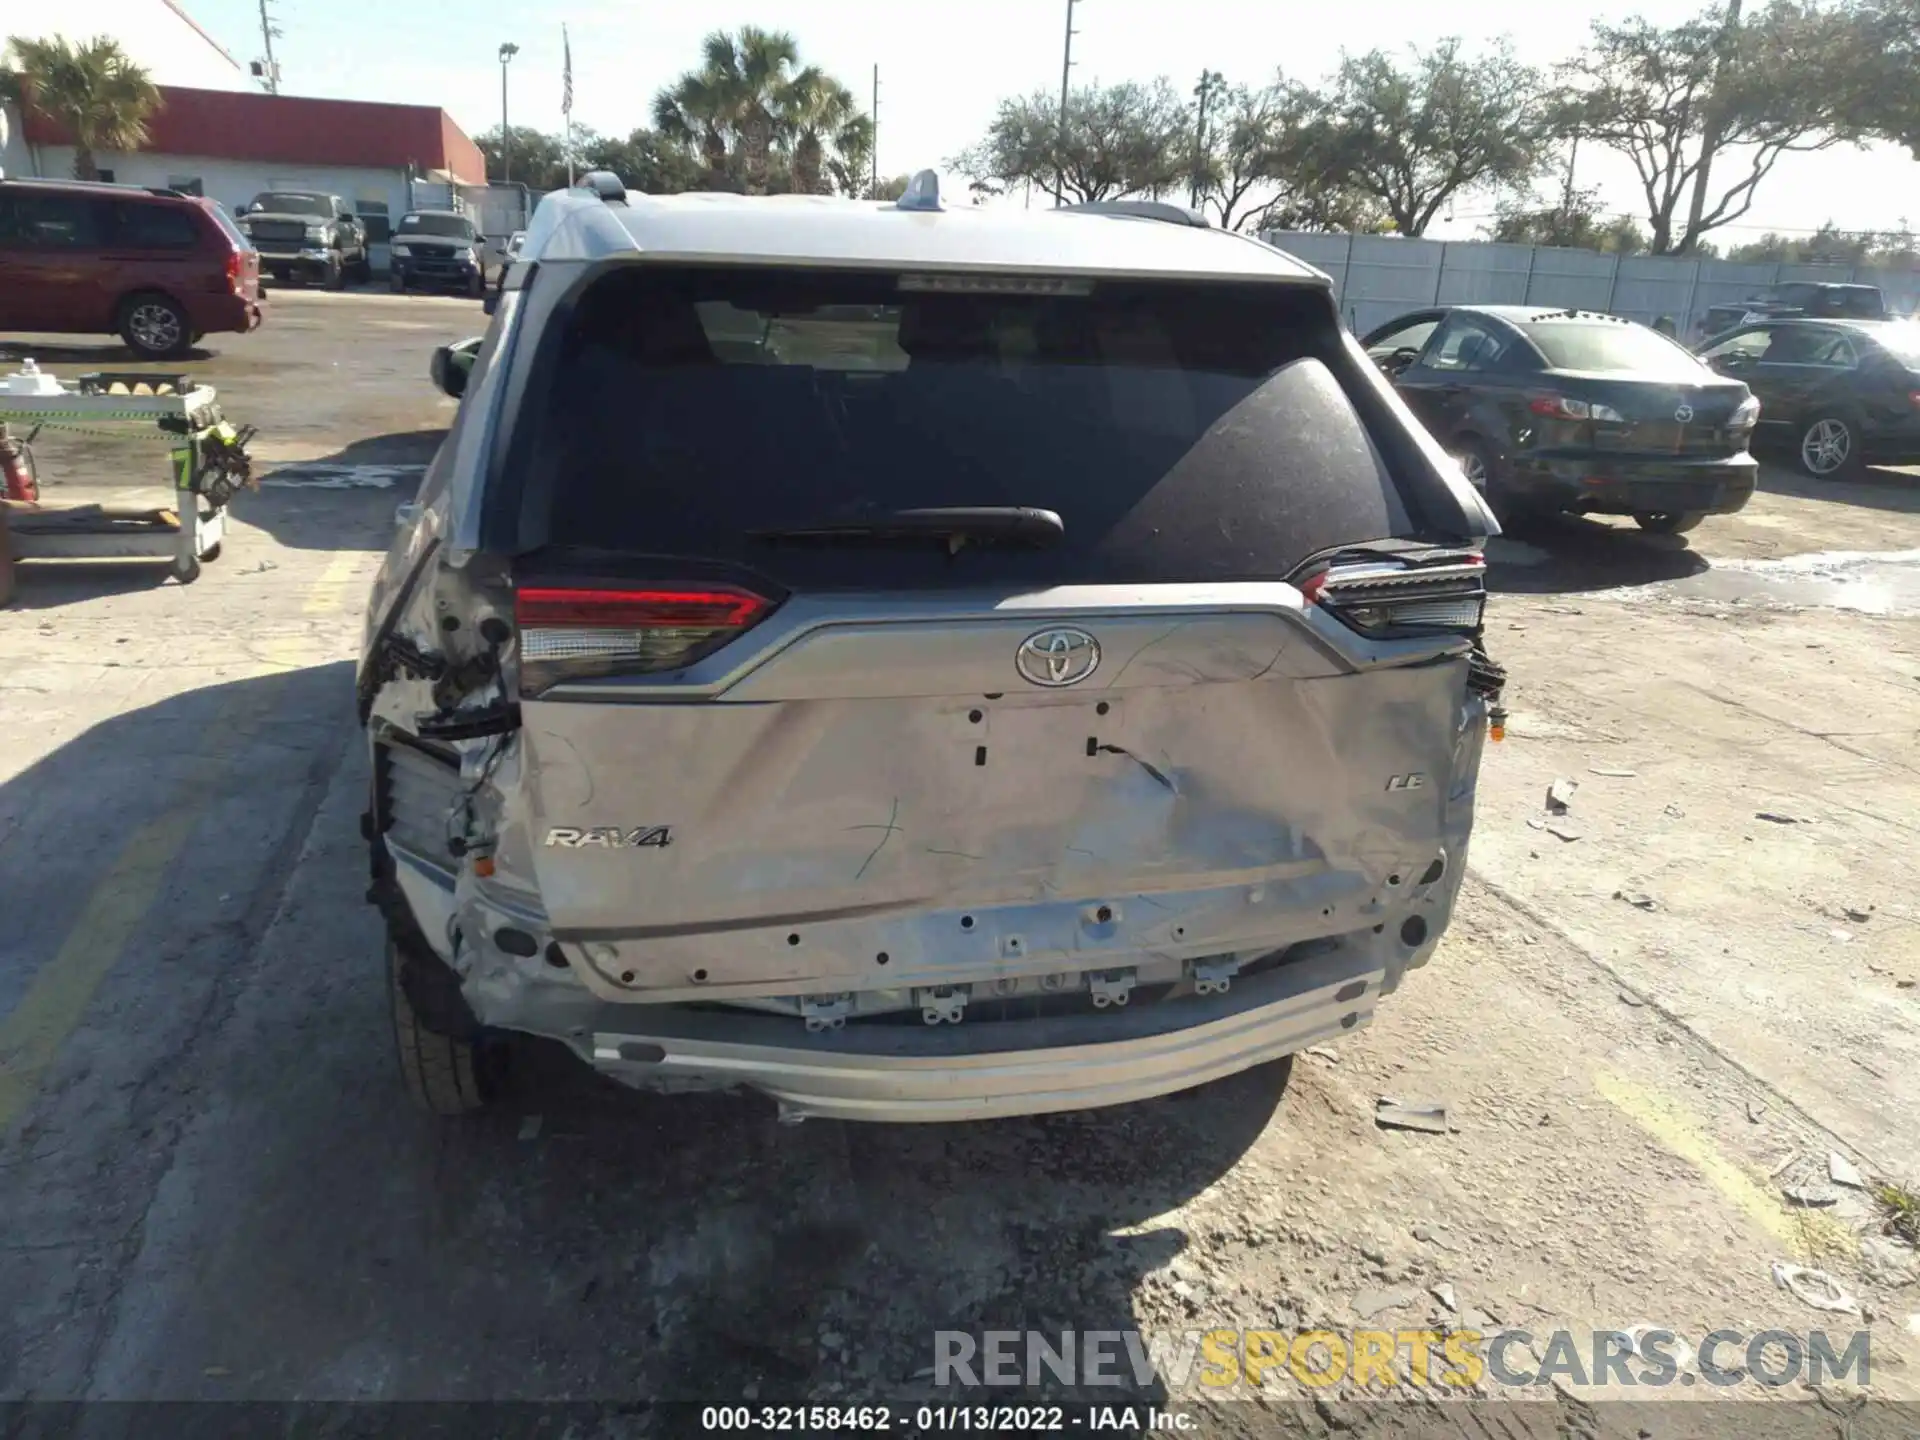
[
  {"x": 1066, "y": 64},
  {"x": 507, "y": 52}
]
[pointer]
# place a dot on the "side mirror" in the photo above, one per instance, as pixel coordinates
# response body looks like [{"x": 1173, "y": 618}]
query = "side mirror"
[{"x": 452, "y": 366}]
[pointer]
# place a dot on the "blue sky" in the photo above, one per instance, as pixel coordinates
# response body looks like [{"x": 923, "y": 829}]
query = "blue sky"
[{"x": 943, "y": 67}]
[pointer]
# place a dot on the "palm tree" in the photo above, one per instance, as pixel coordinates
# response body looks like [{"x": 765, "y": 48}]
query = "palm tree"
[
  {"x": 755, "y": 71},
  {"x": 817, "y": 111},
  {"x": 699, "y": 114},
  {"x": 94, "y": 90}
]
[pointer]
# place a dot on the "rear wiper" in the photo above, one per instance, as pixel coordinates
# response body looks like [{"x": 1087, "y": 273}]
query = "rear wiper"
[{"x": 952, "y": 526}]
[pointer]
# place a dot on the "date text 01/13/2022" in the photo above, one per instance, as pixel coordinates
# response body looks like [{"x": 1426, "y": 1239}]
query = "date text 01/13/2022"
[{"x": 932, "y": 1419}]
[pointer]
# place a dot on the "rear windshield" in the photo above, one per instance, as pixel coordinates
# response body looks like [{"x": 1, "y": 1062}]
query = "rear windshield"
[
  {"x": 232, "y": 231},
  {"x": 452, "y": 225},
  {"x": 1591, "y": 345},
  {"x": 283, "y": 204},
  {"x": 1180, "y": 432}
]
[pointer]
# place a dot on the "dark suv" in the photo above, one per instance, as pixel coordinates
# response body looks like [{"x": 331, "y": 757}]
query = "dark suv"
[
  {"x": 438, "y": 250},
  {"x": 1816, "y": 299},
  {"x": 309, "y": 235},
  {"x": 159, "y": 267},
  {"x": 919, "y": 664}
]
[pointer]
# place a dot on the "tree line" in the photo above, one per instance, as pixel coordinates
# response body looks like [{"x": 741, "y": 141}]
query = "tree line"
[{"x": 1703, "y": 109}]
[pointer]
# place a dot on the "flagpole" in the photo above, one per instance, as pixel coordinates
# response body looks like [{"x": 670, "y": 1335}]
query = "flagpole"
[{"x": 566, "y": 49}]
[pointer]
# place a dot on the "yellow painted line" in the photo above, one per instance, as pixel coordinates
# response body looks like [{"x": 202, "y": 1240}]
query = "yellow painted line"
[
  {"x": 338, "y": 584},
  {"x": 1801, "y": 1232},
  {"x": 34, "y": 1030}
]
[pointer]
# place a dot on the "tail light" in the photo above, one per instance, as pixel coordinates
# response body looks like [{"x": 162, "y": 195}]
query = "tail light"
[
  {"x": 1564, "y": 407},
  {"x": 576, "y": 634},
  {"x": 236, "y": 270},
  {"x": 1396, "y": 597}
]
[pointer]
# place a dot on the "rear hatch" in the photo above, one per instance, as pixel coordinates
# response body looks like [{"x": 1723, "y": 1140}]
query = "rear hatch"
[
  {"x": 1632, "y": 391},
  {"x": 876, "y": 621}
]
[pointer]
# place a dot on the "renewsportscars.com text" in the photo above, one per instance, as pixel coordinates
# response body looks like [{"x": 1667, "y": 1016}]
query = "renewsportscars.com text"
[{"x": 1223, "y": 1359}]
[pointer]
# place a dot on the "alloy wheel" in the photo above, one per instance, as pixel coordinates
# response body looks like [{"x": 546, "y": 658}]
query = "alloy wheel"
[
  {"x": 1826, "y": 446},
  {"x": 155, "y": 326}
]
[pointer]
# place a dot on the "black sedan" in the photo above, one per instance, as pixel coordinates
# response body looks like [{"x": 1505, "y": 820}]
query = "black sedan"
[
  {"x": 1838, "y": 393},
  {"x": 1554, "y": 410}
]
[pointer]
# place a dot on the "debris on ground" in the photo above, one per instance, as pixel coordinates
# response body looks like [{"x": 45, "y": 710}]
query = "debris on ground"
[
  {"x": 1843, "y": 1171},
  {"x": 1429, "y": 1116},
  {"x": 1627, "y": 997},
  {"x": 1443, "y": 1292},
  {"x": 1812, "y": 1196},
  {"x": 1888, "y": 1262},
  {"x": 1756, "y": 1112},
  {"x": 1369, "y": 1303},
  {"x": 1674, "y": 810},
  {"x": 1814, "y": 1287},
  {"x": 1639, "y": 899},
  {"x": 1562, "y": 830},
  {"x": 1324, "y": 1052},
  {"x": 1775, "y": 817},
  {"x": 1859, "y": 917},
  {"x": 1612, "y": 773},
  {"x": 1560, "y": 795}
]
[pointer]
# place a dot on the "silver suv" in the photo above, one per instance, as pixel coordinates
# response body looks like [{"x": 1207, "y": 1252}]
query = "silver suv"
[{"x": 920, "y": 663}]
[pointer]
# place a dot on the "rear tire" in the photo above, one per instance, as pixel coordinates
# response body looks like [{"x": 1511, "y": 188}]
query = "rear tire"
[
  {"x": 155, "y": 327},
  {"x": 361, "y": 271},
  {"x": 441, "y": 1074},
  {"x": 1668, "y": 522},
  {"x": 397, "y": 282},
  {"x": 1477, "y": 462},
  {"x": 1829, "y": 447},
  {"x": 334, "y": 277}
]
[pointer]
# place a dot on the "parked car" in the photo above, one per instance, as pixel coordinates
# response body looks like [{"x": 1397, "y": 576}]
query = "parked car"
[
  {"x": 919, "y": 665},
  {"x": 159, "y": 268},
  {"x": 1838, "y": 393},
  {"x": 438, "y": 250},
  {"x": 1799, "y": 297},
  {"x": 308, "y": 235},
  {"x": 1568, "y": 410}
]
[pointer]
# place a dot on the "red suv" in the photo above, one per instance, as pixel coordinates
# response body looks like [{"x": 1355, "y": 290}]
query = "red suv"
[{"x": 157, "y": 267}]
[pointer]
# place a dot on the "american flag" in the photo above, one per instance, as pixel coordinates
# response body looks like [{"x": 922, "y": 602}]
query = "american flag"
[{"x": 566, "y": 87}]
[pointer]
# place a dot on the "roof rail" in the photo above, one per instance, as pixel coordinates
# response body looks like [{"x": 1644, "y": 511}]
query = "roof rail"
[
  {"x": 1144, "y": 210},
  {"x": 603, "y": 185}
]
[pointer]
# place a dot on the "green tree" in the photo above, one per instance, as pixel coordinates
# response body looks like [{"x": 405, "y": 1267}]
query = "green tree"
[
  {"x": 645, "y": 161},
  {"x": 1414, "y": 138},
  {"x": 1265, "y": 165},
  {"x": 534, "y": 158},
  {"x": 94, "y": 90},
  {"x": 1704, "y": 109},
  {"x": 1118, "y": 140},
  {"x": 1577, "y": 223},
  {"x": 829, "y": 137}
]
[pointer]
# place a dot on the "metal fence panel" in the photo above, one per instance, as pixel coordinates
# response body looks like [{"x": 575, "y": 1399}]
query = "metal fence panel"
[{"x": 1379, "y": 277}]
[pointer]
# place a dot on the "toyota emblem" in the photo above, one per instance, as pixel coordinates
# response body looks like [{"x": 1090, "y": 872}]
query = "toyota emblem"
[
  {"x": 1057, "y": 657},
  {"x": 1683, "y": 414}
]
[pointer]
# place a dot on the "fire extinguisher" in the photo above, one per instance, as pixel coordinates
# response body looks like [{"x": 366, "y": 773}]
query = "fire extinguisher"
[{"x": 17, "y": 468}]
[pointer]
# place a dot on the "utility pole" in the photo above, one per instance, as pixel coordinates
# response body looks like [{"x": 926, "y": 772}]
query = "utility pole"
[
  {"x": 1714, "y": 125},
  {"x": 1566, "y": 191},
  {"x": 1209, "y": 81},
  {"x": 507, "y": 52},
  {"x": 267, "y": 32},
  {"x": 1066, "y": 65},
  {"x": 873, "y": 158}
]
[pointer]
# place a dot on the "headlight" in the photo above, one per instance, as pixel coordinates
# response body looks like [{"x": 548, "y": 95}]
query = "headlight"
[
  {"x": 1748, "y": 413},
  {"x": 400, "y": 248},
  {"x": 468, "y": 257},
  {"x": 316, "y": 230}
]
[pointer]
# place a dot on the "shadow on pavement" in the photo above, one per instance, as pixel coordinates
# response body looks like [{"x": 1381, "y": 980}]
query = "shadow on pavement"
[
  {"x": 71, "y": 353},
  {"x": 1570, "y": 554},
  {"x": 1874, "y": 488},
  {"x": 231, "y": 1189}
]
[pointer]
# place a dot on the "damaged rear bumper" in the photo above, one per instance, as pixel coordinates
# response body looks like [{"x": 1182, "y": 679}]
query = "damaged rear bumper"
[{"x": 896, "y": 1073}]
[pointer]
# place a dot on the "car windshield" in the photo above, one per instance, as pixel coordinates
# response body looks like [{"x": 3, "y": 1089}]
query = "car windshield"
[
  {"x": 1181, "y": 427},
  {"x": 450, "y": 225},
  {"x": 1607, "y": 347},
  {"x": 284, "y": 204}
]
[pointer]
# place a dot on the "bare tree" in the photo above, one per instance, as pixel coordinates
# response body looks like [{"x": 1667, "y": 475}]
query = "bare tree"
[
  {"x": 1706, "y": 94},
  {"x": 1119, "y": 140}
]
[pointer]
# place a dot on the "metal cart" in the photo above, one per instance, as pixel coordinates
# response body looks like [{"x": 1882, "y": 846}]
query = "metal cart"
[{"x": 208, "y": 463}]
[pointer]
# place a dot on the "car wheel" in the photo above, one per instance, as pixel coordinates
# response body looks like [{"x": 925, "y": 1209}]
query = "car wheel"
[
  {"x": 1477, "y": 464},
  {"x": 362, "y": 270},
  {"x": 397, "y": 282},
  {"x": 186, "y": 570},
  {"x": 1668, "y": 522},
  {"x": 281, "y": 274},
  {"x": 477, "y": 287},
  {"x": 1830, "y": 447},
  {"x": 155, "y": 327},
  {"x": 442, "y": 1074},
  {"x": 334, "y": 277}
]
